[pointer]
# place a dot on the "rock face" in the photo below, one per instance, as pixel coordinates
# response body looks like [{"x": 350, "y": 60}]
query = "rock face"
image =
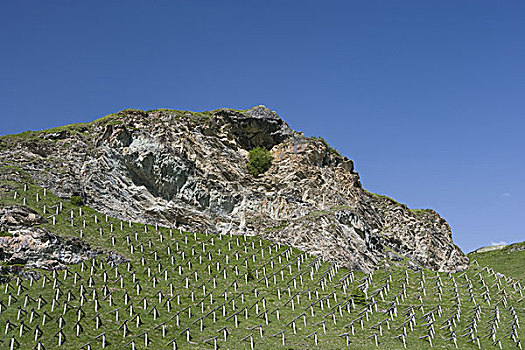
[
  {"x": 25, "y": 244},
  {"x": 189, "y": 169},
  {"x": 17, "y": 216}
]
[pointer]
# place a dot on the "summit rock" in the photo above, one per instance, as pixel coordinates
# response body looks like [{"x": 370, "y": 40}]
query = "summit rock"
[{"x": 189, "y": 170}]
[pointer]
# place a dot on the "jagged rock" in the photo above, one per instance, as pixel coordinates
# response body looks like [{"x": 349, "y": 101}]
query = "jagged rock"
[
  {"x": 60, "y": 135},
  {"x": 32, "y": 246},
  {"x": 189, "y": 170},
  {"x": 38, "y": 248},
  {"x": 16, "y": 215},
  {"x": 258, "y": 127},
  {"x": 114, "y": 259}
]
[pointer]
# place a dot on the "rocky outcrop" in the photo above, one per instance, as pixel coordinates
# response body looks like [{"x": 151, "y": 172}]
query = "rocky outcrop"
[
  {"x": 258, "y": 127},
  {"x": 24, "y": 243},
  {"x": 15, "y": 216},
  {"x": 189, "y": 169}
]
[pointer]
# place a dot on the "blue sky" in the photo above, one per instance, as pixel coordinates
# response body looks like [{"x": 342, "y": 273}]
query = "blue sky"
[{"x": 427, "y": 97}]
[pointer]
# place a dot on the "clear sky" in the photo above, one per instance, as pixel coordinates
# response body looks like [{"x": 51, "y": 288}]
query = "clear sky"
[{"x": 427, "y": 97}]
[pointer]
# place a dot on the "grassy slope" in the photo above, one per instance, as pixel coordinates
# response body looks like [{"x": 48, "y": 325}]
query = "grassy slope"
[
  {"x": 246, "y": 255},
  {"x": 113, "y": 118},
  {"x": 509, "y": 260}
]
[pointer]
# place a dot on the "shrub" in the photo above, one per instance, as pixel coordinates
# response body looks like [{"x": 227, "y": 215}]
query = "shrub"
[
  {"x": 76, "y": 200},
  {"x": 5, "y": 234},
  {"x": 260, "y": 161}
]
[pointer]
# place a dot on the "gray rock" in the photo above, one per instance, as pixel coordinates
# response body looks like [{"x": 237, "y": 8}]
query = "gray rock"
[
  {"x": 189, "y": 170},
  {"x": 36, "y": 247},
  {"x": 258, "y": 127},
  {"x": 60, "y": 135},
  {"x": 114, "y": 259},
  {"x": 16, "y": 215}
]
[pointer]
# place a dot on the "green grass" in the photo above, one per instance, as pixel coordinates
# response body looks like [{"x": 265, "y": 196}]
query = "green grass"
[
  {"x": 83, "y": 129},
  {"x": 383, "y": 197},
  {"x": 281, "y": 226},
  {"x": 196, "y": 265},
  {"x": 416, "y": 212},
  {"x": 420, "y": 212},
  {"x": 509, "y": 260}
]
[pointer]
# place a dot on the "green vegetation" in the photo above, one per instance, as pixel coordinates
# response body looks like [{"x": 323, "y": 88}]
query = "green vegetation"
[
  {"x": 5, "y": 234},
  {"x": 195, "y": 114},
  {"x": 76, "y": 201},
  {"x": 109, "y": 119},
  {"x": 178, "y": 283},
  {"x": 198, "y": 118},
  {"x": 72, "y": 129},
  {"x": 332, "y": 150},
  {"x": 260, "y": 160},
  {"x": 14, "y": 169},
  {"x": 26, "y": 135},
  {"x": 383, "y": 197},
  {"x": 187, "y": 287},
  {"x": 132, "y": 111},
  {"x": 421, "y": 212},
  {"x": 359, "y": 296},
  {"x": 417, "y": 212},
  {"x": 341, "y": 207},
  {"x": 282, "y": 225},
  {"x": 313, "y": 215},
  {"x": 509, "y": 260}
]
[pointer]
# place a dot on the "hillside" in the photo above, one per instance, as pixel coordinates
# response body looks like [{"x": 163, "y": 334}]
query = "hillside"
[
  {"x": 189, "y": 170},
  {"x": 146, "y": 230},
  {"x": 508, "y": 260},
  {"x": 154, "y": 287}
]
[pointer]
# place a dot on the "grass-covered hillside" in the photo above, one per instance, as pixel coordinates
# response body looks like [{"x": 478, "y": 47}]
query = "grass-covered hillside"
[
  {"x": 508, "y": 260},
  {"x": 203, "y": 291}
]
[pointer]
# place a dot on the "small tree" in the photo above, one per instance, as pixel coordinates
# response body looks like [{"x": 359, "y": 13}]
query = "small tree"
[
  {"x": 260, "y": 160},
  {"x": 76, "y": 200}
]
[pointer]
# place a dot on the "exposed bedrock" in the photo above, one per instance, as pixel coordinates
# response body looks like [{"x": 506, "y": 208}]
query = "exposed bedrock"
[
  {"x": 189, "y": 169},
  {"x": 24, "y": 243}
]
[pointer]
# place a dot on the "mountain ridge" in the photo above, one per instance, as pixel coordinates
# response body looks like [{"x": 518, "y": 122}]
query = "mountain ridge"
[{"x": 188, "y": 169}]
